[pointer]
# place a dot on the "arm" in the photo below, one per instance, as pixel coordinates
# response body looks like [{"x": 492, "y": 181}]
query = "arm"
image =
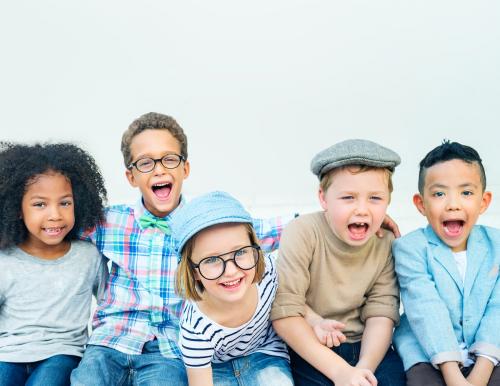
[
  {"x": 300, "y": 337},
  {"x": 269, "y": 231},
  {"x": 328, "y": 331},
  {"x": 426, "y": 311},
  {"x": 481, "y": 372},
  {"x": 452, "y": 374},
  {"x": 376, "y": 339},
  {"x": 390, "y": 225},
  {"x": 487, "y": 338},
  {"x": 101, "y": 279},
  {"x": 200, "y": 376}
]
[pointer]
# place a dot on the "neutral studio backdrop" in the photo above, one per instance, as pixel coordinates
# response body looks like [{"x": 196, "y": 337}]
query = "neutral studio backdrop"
[{"x": 259, "y": 87}]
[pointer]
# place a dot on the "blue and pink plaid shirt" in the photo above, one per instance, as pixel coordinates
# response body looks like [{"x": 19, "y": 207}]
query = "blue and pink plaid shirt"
[{"x": 140, "y": 302}]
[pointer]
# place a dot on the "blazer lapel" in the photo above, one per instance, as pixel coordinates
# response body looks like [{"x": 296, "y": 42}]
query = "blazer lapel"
[
  {"x": 477, "y": 251},
  {"x": 443, "y": 255}
]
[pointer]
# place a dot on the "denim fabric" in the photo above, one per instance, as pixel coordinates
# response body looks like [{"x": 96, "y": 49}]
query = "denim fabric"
[
  {"x": 426, "y": 374},
  {"x": 53, "y": 371},
  {"x": 253, "y": 370},
  {"x": 390, "y": 371},
  {"x": 104, "y": 366}
]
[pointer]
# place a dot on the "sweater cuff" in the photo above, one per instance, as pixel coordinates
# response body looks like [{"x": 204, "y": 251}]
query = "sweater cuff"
[
  {"x": 487, "y": 349},
  {"x": 378, "y": 310},
  {"x": 287, "y": 305}
]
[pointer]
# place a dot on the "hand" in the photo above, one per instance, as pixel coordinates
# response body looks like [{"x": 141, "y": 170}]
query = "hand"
[
  {"x": 356, "y": 377},
  {"x": 328, "y": 332},
  {"x": 390, "y": 225}
]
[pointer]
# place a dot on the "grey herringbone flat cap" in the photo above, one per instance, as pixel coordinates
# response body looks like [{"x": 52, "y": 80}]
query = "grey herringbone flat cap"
[{"x": 354, "y": 152}]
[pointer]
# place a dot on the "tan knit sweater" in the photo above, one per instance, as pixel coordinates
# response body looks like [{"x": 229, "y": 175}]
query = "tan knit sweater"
[{"x": 338, "y": 281}]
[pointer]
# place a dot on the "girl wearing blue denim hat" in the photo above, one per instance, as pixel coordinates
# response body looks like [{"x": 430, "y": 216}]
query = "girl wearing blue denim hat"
[{"x": 229, "y": 286}]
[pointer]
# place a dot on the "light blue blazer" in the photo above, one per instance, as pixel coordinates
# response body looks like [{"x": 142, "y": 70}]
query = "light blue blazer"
[{"x": 439, "y": 310}]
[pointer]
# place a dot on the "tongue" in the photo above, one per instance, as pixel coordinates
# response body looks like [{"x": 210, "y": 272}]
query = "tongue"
[
  {"x": 357, "y": 231},
  {"x": 453, "y": 227},
  {"x": 162, "y": 192}
]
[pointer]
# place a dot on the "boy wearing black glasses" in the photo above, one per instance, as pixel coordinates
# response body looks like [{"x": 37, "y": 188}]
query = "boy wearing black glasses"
[{"x": 140, "y": 310}]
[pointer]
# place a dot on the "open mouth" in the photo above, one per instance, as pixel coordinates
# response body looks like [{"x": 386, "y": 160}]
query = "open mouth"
[
  {"x": 453, "y": 228},
  {"x": 358, "y": 230},
  {"x": 162, "y": 190},
  {"x": 231, "y": 284}
]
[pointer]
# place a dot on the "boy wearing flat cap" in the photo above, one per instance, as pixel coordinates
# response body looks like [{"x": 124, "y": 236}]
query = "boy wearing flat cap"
[{"x": 332, "y": 262}]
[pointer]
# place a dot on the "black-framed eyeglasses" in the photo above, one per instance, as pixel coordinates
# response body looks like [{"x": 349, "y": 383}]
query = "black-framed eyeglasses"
[
  {"x": 145, "y": 165},
  {"x": 213, "y": 267}
]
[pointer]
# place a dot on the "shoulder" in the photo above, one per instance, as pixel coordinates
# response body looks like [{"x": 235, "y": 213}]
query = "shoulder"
[
  {"x": 310, "y": 223},
  {"x": 413, "y": 239},
  {"x": 85, "y": 247},
  {"x": 114, "y": 210}
]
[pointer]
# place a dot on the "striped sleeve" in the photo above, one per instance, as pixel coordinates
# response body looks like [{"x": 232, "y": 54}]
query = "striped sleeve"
[{"x": 196, "y": 345}]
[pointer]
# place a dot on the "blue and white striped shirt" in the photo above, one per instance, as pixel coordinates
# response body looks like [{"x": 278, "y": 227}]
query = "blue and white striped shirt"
[{"x": 203, "y": 341}]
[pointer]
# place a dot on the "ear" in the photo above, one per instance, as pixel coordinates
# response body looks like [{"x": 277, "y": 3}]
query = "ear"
[
  {"x": 485, "y": 202},
  {"x": 187, "y": 169},
  {"x": 322, "y": 199},
  {"x": 130, "y": 178},
  {"x": 418, "y": 201}
]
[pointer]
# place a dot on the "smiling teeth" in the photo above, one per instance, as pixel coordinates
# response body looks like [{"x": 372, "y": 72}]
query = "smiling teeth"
[{"x": 228, "y": 283}]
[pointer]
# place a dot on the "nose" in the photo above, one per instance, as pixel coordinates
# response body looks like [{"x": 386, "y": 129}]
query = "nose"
[
  {"x": 54, "y": 213},
  {"x": 159, "y": 169},
  {"x": 361, "y": 208},
  {"x": 231, "y": 268},
  {"x": 453, "y": 202}
]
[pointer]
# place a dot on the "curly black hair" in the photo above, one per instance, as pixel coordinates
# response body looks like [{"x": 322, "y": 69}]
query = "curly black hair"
[{"x": 19, "y": 166}]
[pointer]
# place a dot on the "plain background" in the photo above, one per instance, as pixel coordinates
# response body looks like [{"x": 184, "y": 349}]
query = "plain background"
[{"x": 259, "y": 87}]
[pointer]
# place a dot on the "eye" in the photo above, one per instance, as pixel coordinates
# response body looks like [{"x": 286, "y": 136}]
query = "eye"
[
  {"x": 242, "y": 252},
  {"x": 145, "y": 162},
  {"x": 438, "y": 194},
  {"x": 212, "y": 260},
  {"x": 66, "y": 203},
  {"x": 467, "y": 193},
  {"x": 39, "y": 204},
  {"x": 346, "y": 197},
  {"x": 376, "y": 198}
]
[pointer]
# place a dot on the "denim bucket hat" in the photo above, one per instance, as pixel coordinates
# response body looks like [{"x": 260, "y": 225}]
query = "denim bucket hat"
[{"x": 204, "y": 211}]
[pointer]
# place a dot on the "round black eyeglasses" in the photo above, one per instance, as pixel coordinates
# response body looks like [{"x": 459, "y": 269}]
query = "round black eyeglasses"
[
  {"x": 145, "y": 165},
  {"x": 213, "y": 267}
]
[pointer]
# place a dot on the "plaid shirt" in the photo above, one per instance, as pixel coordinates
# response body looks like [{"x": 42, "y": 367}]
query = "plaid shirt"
[{"x": 140, "y": 302}]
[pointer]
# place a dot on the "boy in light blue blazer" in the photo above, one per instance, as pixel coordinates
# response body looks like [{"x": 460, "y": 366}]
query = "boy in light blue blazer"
[{"x": 448, "y": 274}]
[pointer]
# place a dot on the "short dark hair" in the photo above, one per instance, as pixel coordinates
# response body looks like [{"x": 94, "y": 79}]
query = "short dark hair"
[
  {"x": 152, "y": 121},
  {"x": 448, "y": 151},
  {"x": 20, "y": 164}
]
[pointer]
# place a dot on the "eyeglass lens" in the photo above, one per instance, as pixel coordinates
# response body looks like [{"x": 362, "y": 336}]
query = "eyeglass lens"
[{"x": 213, "y": 267}]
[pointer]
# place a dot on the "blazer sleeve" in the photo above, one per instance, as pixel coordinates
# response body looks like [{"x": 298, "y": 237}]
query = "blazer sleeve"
[
  {"x": 426, "y": 312},
  {"x": 487, "y": 339}
]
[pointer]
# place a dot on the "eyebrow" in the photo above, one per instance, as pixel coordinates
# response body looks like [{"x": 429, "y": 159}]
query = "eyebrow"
[
  {"x": 441, "y": 186},
  {"x": 44, "y": 198}
]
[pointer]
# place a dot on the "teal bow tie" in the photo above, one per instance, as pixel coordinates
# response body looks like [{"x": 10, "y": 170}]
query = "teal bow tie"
[{"x": 160, "y": 223}]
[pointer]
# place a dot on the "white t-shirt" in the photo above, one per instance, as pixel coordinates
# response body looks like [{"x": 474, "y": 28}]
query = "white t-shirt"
[{"x": 203, "y": 341}]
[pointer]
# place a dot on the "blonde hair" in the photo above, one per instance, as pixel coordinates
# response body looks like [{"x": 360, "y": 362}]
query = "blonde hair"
[
  {"x": 327, "y": 179},
  {"x": 186, "y": 284}
]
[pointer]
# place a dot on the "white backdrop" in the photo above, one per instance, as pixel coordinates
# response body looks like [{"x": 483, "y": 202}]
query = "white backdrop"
[{"x": 259, "y": 87}]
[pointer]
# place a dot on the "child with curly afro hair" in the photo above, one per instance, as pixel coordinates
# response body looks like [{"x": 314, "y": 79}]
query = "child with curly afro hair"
[{"x": 49, "y": 194}]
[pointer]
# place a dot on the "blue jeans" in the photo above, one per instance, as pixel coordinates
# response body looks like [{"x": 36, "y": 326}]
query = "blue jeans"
[
  {"x": 104, "y": 366},
  {"x": 256, "y": 369},
  {"x": 53, "y": 371},
  {"x": 390, "y": 371}
]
